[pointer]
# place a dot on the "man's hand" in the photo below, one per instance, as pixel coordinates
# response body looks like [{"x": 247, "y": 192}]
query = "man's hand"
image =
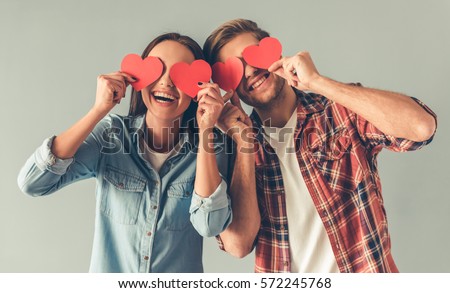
[
  {"x": 235, "y": 122},
  {"x": 299, "y": 70}
]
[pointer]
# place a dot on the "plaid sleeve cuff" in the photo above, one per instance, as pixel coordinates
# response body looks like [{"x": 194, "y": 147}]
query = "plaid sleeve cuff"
[{"x": 426, "y": 108}]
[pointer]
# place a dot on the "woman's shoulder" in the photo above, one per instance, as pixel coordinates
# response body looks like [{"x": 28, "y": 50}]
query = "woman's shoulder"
[
  {"x": 117, "y": 124},
  {"x": 125, "y": 122}
]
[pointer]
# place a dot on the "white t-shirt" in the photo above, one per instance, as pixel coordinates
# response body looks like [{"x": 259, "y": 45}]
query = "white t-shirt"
[
  {"x": 309, "y": 246},
  {"x": 157, "y": 159}
]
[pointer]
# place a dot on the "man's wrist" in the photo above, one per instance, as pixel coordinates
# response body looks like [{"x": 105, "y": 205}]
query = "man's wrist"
[
  {"x": 245, "y": 145},
  {"x": 317, "y": 84}
]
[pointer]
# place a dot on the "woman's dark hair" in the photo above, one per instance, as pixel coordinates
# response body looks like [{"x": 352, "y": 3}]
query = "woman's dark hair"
[{"x": 137, "y": 106}]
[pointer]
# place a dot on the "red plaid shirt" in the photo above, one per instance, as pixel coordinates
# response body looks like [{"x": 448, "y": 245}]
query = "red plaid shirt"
[{"x": 336, "y": 151}]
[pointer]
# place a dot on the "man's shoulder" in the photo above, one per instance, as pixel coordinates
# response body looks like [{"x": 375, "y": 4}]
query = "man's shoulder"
[{"x": 320, "y": 109}]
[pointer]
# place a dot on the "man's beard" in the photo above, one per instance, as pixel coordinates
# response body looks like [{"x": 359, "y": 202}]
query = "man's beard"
[{"x": 276, "y": 96}]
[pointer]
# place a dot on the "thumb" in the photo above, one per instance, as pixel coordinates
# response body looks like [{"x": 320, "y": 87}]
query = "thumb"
[
  {"x": 236, "y": 102},
  {"x": 228, "y": 96},
  {"x": 300, "y": 86},
  {"x": 248, "y": 121}
]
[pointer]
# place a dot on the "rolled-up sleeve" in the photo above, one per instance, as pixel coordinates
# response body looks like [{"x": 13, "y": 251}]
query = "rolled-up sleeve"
[
  {"x": 211, "y": 215},
  {"x": 45, "y": 160},
  {"x": 376, "y": 139},
  {"x": 44, "y": 173}
]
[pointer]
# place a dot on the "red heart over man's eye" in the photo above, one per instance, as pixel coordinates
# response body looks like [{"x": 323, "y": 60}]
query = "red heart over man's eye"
[
  {"x": 263, "y": 55},
  {"x": 145, "y": 71},
  {"x": 186, "y": 77},
  {"x": 228, "y": 75}
]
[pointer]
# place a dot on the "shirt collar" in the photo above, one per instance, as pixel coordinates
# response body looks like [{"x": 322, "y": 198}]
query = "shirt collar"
[
  {"x": 138, "y": 130},
  {"x": 307, "y": 104}
]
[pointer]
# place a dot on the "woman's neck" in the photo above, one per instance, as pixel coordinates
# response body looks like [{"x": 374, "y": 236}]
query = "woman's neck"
[{"x": 162, "y": 135}]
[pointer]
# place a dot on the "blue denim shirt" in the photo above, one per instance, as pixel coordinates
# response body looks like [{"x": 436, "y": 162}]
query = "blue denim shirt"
[{"x": 145, "y": 221}]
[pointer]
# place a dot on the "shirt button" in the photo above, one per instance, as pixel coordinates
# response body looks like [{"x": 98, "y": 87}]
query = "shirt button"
[
  {"x": 145, "y": 257},
  {"x": 325, "y": 213},
  {"x": 149, "y": 233},
  {"x": 337, "y": 246},
  {"x": 285, "y": 263},
  {"x": 155, "y": 207},
  {"x": 282, "y": 227},
  {"x": 52, "y": 160}
]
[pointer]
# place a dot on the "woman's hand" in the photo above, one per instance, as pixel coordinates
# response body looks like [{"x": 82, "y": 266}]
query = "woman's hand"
[
  {"x": 111, "y": 90},
  {"x": 298, "y": 70},
  {"x": 210, "y": 105}
]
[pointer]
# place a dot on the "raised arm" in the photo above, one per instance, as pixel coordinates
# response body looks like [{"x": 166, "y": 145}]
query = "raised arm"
[
  {"x": 47, "y": 169},
  {"x": 210, "y": 208},
  {"x": 393, "y": 113},
  {"x": 110, "y": 90},
  {"x": 239, "y": 237}
]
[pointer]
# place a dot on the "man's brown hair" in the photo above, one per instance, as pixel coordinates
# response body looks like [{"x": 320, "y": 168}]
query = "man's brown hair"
[{"x": 228, "y": 31}]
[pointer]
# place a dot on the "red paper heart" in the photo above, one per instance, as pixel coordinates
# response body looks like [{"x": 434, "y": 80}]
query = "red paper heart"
[
  {"x": 186, "y": 77},
  {"x": 145, "y": 71},
  {"x": 263, "y": 55},
  {"x": 228, "y": 75}
]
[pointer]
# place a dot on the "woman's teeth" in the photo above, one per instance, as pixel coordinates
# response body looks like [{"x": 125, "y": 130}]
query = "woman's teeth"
[{"x": 163, "y": 97}]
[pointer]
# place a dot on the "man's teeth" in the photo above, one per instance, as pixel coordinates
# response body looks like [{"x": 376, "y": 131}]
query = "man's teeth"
[
  {"x": 163, "y": 97},
  {"x": 258, "y": 83}
]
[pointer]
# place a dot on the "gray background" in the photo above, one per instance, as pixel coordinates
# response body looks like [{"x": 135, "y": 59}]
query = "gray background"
[{"x": 52, "y": 51}]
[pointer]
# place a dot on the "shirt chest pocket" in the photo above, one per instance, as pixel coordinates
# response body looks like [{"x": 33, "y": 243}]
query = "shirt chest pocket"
[
  {"x": 122, "y": 195},
  {"x": 333, "y": 155},
  {"x": 330, "y": 146},
  {"x": 176, "y": 211}
]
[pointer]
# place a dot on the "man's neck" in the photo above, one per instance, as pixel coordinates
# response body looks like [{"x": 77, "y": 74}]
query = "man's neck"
[
  {"x": 278, "y": 115},
  {"x": 163, "y": 135}
]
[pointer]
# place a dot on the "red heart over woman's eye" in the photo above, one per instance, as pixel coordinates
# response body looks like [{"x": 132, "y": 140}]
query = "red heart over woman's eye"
[
  {"x": 228, "y": 75},
  {"x": 263, "y": 55},
  {"x": 145, "y": 71},
  {"x": 186, "y": 77}
]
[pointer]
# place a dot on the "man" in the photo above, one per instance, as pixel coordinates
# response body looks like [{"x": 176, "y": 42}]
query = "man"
[{"x": 316, "y": 142}]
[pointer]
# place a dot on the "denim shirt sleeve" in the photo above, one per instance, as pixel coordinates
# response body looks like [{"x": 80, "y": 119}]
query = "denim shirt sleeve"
[
  {"x": 44, "y": 173},
  {"x": 210, "y": 216}
]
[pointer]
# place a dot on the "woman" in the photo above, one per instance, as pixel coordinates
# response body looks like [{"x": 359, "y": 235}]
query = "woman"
[{"x": 150, "y": 211}]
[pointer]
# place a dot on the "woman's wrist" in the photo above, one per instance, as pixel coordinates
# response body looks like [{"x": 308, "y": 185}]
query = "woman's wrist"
[
  {"x": 206, "y": 139},
  {"x": 97, "y": 113}
]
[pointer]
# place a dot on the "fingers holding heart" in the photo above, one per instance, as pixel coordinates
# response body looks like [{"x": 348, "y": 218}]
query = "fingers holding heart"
[
  {"x": 285, "y": 68},
  {"x": 210, "y": 105},
  {"x": 119, "y": 81},
  {"x": 210, "y": 90}
]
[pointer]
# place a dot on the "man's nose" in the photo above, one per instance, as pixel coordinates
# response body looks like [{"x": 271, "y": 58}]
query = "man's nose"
[{"x": 249, "y": 70}]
